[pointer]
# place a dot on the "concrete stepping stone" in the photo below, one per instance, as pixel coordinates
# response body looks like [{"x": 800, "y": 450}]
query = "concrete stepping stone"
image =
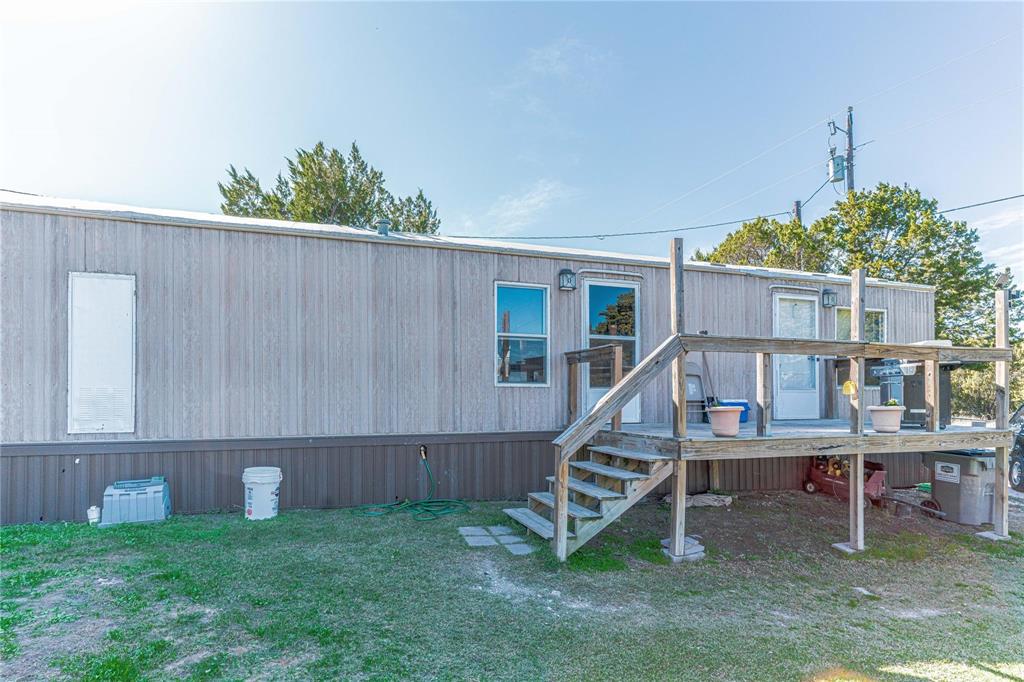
[
  {"x": 510, "y": 539},
  {"x": 479, "y": 540},
  {"x": 472, "y": 530},
  {"x": 500, "y": 530},
  {"x": 520, "y": 548}
]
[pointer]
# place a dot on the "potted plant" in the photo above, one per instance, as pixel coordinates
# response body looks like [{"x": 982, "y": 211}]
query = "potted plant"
[
  {"x": 886, "y": 418},
  {"x": 725, "y": 419}
]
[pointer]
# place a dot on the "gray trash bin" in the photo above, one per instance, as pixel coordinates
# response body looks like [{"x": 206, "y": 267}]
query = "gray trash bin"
[{"x": 963, "y": 484}]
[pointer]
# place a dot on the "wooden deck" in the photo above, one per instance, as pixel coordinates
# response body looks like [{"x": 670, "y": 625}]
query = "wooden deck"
[{"x": 799, "y": 438}]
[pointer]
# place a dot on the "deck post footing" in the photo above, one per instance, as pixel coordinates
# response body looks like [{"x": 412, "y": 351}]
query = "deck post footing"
[
  {"x": 846, "y": 548},
  {"x": 992, "y": 535},
  {"x": 693, "y": 550}
]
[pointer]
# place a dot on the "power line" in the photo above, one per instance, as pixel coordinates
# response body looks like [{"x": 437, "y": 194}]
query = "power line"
[
  {"x": 981, "y": 203},
  {"x": 630, "y": 234},
  {"x": 820, "y": 187},
  {"x": 710, "y": 225}
]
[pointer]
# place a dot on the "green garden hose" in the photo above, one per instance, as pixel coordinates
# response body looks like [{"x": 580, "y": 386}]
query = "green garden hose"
[{"x": 422, "y": 510}]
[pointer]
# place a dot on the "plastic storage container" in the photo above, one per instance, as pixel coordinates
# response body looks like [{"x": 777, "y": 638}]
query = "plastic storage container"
[
  {"x": 147, "y": 499},
  {"x": 963, "y": 484},
  {"x": 736, "y": 402}
]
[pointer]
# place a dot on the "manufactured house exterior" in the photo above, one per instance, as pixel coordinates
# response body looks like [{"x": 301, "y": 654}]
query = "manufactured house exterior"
[{"x": 141, "y": 342}]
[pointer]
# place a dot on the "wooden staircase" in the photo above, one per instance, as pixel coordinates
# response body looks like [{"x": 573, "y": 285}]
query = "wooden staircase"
[{"x": 604, "y": 482}]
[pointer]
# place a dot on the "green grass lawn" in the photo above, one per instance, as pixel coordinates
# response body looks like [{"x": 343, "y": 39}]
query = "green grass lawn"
[{"x": 327, "y": 595}]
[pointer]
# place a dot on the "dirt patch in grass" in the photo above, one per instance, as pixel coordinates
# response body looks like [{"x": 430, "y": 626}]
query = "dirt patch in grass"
[
  {"x": 325, "y": 594},
  {"x": 55, "y": 622}
]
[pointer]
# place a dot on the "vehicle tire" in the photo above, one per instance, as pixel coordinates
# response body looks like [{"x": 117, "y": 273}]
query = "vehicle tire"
[
  {"x": 930, "y": 504},
  {"x": 1017, "y": 473},
  {"x": 810, "y": 487}
]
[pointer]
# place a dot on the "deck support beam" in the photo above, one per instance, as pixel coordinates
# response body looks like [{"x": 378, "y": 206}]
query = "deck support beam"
[
  {"x": 676, "y": 550},
  {"x": 1001, "y": 494},
  {"x": 855, "y": 474}
]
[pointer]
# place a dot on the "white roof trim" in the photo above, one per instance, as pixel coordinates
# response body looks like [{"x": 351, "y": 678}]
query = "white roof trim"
[{"x": 92, "y": 209}]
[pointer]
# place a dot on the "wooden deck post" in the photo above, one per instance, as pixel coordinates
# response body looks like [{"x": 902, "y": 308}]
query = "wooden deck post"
[
  {"x": 560, "y": 538},
  {"x": 1001, "y": 496},
  {"x": 764, "y": 394},
  {"x": 857, "y": 291},
  {"x": 616, "y": 378},
  {"x": 932, "y": 400},
  {"x": 676, "y": 550},
  {"x": 574, "y": 391},
  {"x": 857, "y": 409}
]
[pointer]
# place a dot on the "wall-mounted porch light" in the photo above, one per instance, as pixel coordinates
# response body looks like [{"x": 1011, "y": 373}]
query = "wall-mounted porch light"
[
  {"x": 566, "y": 280},
  {"x": 849, "y": 387},
  {"x": 829, "y": 298}
]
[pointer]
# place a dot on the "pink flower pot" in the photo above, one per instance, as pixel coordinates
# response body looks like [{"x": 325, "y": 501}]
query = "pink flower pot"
[
  {"x": 725, "y": 421},
  {"x": 886, "y": 418}
]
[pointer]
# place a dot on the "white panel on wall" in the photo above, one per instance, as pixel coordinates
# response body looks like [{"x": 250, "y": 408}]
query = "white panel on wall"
[{"x": 101, "y": 353}]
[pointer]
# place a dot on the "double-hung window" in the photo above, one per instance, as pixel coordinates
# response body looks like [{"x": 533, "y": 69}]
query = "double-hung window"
[
  {"x": 874, "y": 325},
  {"x": 874, "y": 332},
  {"x": 521, "y": 327}
]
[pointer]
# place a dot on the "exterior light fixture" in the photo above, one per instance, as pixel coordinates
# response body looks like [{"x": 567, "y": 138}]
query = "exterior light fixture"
[
  {"x": 829, "y": 298},
  {"x": 849, "y": 388},
  {"x": 566, "y": 280}
]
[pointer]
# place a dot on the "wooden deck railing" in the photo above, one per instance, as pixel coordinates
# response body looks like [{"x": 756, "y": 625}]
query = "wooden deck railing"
[
  {"x": 575, "y": 358},
  {"x": 673, "y": 350},
  {"x": 584, "y": 428}
]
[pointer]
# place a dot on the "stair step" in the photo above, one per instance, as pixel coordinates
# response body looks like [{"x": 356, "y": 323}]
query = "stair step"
[
  {"x": 575, "y": 510},
  {"x": 608, "y": 471},
  {"x": 630, "y": 454},
  {"x": 535, "y": 522},
  {"x": 589, "y": 489}
]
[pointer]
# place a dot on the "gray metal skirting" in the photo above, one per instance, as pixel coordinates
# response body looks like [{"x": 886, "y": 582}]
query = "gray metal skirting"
[{"x": 59, "y": 481}]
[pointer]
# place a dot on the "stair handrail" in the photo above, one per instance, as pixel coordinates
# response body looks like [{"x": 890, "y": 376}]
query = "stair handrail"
[{"x": 584, "y": 428}]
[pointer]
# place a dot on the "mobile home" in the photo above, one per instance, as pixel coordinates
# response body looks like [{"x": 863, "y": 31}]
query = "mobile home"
[{"x": 139, "y": 342}]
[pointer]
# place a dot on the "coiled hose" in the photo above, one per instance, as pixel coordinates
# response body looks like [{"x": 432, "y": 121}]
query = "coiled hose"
[{"x": 427, "y": 509}]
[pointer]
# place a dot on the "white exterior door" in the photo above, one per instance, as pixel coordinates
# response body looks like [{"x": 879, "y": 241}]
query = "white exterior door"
[
  {"x": 796, "y": 376},
  {"x": 610, "y": 316}
]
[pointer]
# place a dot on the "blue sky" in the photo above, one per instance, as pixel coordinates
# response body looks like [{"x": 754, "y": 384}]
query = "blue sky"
[{"x": 524, "y": 119}]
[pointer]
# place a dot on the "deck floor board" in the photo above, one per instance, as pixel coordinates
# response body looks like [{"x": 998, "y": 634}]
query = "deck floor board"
[{"x": 793, "y": 438}]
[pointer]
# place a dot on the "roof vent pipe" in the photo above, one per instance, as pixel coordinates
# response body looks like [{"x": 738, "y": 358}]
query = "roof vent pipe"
[{"x": 383, "y": 227}]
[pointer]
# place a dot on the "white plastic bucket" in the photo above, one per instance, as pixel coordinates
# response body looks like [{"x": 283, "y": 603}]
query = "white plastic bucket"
[
  {"x": 93, "y": 513},
  {"x": 262, "y": 492}
]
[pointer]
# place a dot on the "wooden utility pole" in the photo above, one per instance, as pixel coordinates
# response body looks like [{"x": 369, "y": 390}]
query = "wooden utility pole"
[{"x": 849, "y": 149}]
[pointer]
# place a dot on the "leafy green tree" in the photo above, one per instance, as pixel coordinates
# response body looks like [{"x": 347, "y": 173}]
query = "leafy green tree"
[
  {"x": 325, "y": 186},
  {"x": 973, "y": 394},
  {"x": 766, "y": 242},
  {"x": 893, "y": 233}
]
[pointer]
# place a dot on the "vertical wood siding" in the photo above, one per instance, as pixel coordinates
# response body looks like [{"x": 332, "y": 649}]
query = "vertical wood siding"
[{"x": 246, "y": 334}]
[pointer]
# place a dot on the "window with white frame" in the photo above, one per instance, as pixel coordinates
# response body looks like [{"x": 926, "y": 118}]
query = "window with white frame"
[
  {"x": 101, "y": 353},
  {"x": 521, "y": 327},
  {"x": 874, "y": 325}
]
